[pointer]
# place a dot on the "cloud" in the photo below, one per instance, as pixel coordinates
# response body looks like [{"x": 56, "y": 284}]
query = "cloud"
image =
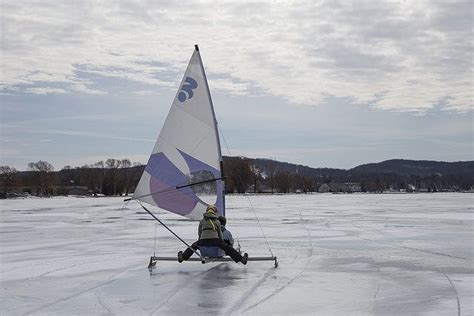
[
  {"x": 144, "y": 92},
  {"x": 69, "y": 132},
  {"x": 403, "y": 56},
  {"x": 83, "y": 88},
  {"x": 45, "y": 90}
]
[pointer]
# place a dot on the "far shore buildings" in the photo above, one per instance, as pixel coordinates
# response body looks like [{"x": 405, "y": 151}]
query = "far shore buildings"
[
  {"x": 52, "y": 190},
  {"x": 348, "y": 187}
]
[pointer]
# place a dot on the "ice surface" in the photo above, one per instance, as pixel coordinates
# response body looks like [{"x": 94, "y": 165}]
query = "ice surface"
[{"x": 339, "y": 254}]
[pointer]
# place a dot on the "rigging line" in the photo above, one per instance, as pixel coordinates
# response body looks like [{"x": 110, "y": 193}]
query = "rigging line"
[
  {"x": 174, "y": 188},
  {"x": 230, "y": 154},
  {"x": 250, "y": 201},
  {"x": 154, "y": 243},
  {"x": 163, "y": 224},
  {"x": 261, "y": 228},
  {"x": 225, "y": 142}
]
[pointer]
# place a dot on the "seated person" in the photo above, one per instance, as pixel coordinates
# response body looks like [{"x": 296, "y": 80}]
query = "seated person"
[
  {"x": 226, "y": 234},
  {"x": 210, "y": 234}
]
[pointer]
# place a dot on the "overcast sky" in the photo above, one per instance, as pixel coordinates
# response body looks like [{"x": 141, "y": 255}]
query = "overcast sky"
[{"x": 319, "y": 83}]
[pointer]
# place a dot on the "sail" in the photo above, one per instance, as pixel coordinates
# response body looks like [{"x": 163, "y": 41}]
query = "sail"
[{"x": 187, "y": 151}]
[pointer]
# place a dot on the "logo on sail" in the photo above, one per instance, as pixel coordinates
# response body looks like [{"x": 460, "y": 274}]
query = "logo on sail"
[{"x": 186, "y": 92}]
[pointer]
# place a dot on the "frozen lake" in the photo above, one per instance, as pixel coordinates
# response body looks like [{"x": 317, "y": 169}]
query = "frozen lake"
[{"x": 339, "y": 254}]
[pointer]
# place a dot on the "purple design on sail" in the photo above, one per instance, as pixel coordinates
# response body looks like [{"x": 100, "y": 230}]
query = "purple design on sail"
[
  {"x": 165, "y": 176},
  {"x": 196, "y": 165}
]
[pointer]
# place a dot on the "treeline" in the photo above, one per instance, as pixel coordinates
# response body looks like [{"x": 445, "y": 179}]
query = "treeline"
[
  {"x": 120, "y": 177},
  {"x": 270, "y": 176},
  {"x": 389, "y": 175},
  {"x": 109, "y": 177},
  {"x": 243, "y": 175}
]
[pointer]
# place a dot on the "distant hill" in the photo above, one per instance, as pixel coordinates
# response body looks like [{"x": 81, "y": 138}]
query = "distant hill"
[
  {"x": 403, "y": 167},
  {"x": 394, "y": 173},
  {"x": 269, "y": 166},
  {"x": 406, "y": 167}
]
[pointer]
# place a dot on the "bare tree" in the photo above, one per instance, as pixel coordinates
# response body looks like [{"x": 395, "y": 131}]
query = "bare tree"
[
  {"x": 271, "y": 170},
  {"x": 125, "y": 175},
  {"x": 100, "y": 174},
  {"x": 237, "y": 169},
  {"x": 8, "y": 177},
  {"x": 87, "y": 177},
  {"x": 113, "y": 165},
  {"x": 282, "y": 182},
  {"x": 256, "y": 176},
  {"x": 42, "y": 171},
  {"x": 308, "y": 185},
  {"x": 137, "y": 171},
  {"x": 302, "y": 183},
  {"x": 41, "y": 166}
]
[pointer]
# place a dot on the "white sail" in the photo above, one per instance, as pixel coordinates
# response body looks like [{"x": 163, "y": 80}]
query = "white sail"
[{"x": 186, "y": 151}]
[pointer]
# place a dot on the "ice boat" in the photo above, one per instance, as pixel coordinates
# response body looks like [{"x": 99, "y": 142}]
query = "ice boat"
[{"x": 185, "y": 171}]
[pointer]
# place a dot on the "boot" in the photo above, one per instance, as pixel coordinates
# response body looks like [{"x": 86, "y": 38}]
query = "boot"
[
  {"x": 244, "y": 258},
  {"x": 180, "y": 257}
]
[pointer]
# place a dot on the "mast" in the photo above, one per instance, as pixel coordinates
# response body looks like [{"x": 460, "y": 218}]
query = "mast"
[{"x": 216, "y": 130}]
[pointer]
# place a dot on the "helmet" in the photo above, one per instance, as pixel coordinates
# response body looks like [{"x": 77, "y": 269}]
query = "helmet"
[
  {"x": 211, "y": 209},
  {"x": 223, "y": 220}
]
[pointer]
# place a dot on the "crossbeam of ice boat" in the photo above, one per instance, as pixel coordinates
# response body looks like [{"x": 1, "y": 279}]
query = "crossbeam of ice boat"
[{"x": 154, "y": 259}]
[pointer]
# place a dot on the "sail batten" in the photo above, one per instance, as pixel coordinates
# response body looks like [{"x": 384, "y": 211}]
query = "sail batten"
[{"x": 186, "y": 151}]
